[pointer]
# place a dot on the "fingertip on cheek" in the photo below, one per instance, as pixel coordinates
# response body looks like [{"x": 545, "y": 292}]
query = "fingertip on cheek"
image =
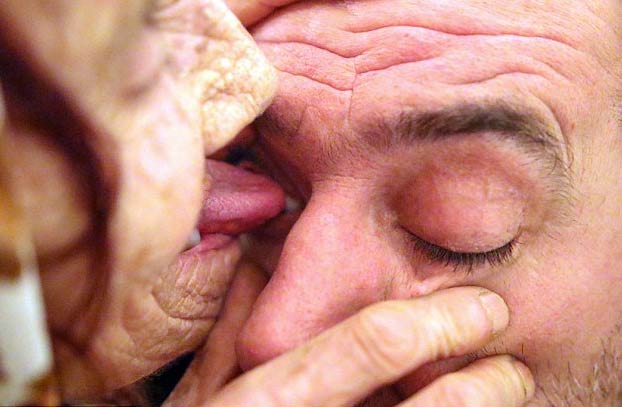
[
  {"x": 526, "y": 378},
  {"x": 496, "y": 311}
]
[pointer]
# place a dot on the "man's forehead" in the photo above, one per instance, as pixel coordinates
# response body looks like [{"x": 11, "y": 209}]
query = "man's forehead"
[
  {"x": 462, "y": 39},
  {"x": 356, "y": 62},
  {"x": 586, "y": 25}
]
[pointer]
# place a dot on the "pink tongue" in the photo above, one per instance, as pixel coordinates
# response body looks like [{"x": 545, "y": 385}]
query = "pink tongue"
[{"x": 238, "y": 200}]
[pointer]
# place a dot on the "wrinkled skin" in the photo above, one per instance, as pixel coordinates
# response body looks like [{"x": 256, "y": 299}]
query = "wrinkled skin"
[
  {"x": 355, "y": 66},
  {"x": 112, "y": 108}
]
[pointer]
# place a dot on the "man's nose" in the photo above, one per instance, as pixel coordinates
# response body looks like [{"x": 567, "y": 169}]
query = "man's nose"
[{"x": 333, "y": 264}]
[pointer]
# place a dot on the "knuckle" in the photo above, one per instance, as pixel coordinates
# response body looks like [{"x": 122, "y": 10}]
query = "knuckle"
[
  {"x": 383, "y": 338},
  {"x": 450, "y": 332},
  {"x": 444, "y": 334}
]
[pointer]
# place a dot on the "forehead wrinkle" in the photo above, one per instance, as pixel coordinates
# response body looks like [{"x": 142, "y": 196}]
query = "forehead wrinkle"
[
  {"x": 554, "y": 22},
  {"x": 468, "y": 17}
]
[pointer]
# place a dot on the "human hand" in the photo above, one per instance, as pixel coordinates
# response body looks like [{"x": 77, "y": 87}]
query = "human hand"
[{"x": 372, "y": 349}]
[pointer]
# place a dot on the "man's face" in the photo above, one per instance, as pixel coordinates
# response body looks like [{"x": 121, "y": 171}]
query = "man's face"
[{"x": 438, "y": 144}]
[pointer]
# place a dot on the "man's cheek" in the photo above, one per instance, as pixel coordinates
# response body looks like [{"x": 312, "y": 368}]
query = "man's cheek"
[
  {"x": 563, "y": 304},
  {"x": 557, "y": 321}
]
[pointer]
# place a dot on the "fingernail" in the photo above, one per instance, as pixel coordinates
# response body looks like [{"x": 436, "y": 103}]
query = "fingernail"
[
  {"x": 496, "y": 310},
  {"x": 526, "y": 378}
]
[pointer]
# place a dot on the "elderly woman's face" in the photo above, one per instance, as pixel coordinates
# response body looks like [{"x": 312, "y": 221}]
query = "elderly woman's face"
[
  {"x": 112, "y": 108},
  {"x": 437, "y": 144}
]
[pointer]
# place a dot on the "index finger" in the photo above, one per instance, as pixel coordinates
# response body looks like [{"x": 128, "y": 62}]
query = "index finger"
[
  {"x": 373, "y": 348},
  {"x": 251, "y": 11}
]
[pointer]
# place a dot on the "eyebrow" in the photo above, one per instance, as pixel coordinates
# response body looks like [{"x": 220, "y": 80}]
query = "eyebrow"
[{"x": 525, "y": 128}]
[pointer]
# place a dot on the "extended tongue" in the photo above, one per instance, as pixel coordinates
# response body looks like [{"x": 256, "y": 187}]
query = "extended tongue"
[{"x": 238, "y": 200}]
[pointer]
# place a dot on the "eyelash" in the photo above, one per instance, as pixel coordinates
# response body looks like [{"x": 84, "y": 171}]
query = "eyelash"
[{"x": 460, "y": 260}]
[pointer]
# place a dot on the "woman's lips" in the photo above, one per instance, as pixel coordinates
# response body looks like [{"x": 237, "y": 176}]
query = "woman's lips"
[{"x": 237, "y": 201}]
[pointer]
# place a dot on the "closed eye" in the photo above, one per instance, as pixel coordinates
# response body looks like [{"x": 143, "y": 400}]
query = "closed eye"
[{"x": 463, "y": 260}]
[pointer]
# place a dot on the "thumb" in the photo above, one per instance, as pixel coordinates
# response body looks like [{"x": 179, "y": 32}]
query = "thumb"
[{"x": 215, "y": 363}]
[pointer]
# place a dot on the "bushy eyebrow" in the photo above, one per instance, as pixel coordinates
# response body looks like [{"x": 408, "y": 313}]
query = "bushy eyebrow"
[{"x": 525, "y": 128}]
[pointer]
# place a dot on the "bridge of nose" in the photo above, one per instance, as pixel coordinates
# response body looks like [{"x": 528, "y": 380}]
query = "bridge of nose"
[{"x": 334, "y": 262}]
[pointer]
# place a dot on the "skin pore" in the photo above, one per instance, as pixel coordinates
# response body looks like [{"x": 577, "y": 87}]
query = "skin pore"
[{"x": 446, "y": 144}]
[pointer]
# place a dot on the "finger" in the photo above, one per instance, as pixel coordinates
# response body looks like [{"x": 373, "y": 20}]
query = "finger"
[
  {"x": 251, "y": 11},
  {"x": 216, "y": 363},
  {"x": 373, "y": 348},
  {"x": 496, "y": 381},
  {"x": 218, "y": 358}
]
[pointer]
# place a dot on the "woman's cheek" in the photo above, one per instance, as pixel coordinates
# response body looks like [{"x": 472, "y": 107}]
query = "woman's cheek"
[{"x": 55, "y": 192}]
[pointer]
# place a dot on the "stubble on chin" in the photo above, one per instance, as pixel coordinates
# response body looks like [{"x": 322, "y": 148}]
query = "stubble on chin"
[
  {"x": 601, "y": 387},
  {"x": 567, "y": 387}
]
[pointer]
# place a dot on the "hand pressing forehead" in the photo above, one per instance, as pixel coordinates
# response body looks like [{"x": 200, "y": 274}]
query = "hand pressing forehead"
[{"x": 449, "y": 144}]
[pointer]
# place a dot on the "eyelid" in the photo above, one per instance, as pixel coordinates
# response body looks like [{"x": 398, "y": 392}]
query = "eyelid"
[{"x": 463, "y": 260}]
